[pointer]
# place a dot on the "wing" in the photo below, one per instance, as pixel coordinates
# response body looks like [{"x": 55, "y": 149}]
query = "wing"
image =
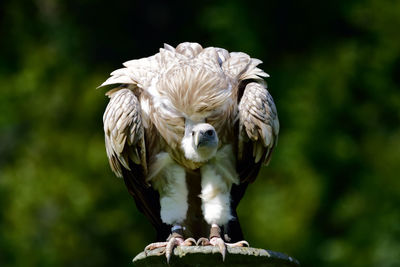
[
  {"x": 141, "y": 72},
  {"x": 126, "y": 151},
  {"x": 258, "y": 119},
  {"x": 123, "y": 129},
  {"x": 258, "y": 127},
  {"x": 258, "y": 135}
]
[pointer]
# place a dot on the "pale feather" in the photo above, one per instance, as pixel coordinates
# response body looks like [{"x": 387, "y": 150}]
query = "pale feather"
[
  {"x": 258, "y": 121},
  {"x": 191, "y": 82},
  {"x": 124, "y": 136}
]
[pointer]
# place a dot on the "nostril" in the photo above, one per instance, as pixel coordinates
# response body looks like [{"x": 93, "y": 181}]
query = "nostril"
[{"x": 210, "y": 132}]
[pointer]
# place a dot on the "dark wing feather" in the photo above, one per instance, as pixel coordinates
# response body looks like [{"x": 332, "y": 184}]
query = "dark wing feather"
[{"x": 147, "y": 201}]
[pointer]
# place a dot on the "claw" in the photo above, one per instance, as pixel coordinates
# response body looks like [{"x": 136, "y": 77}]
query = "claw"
[
  {"x": 174, "y": 241},
  {"x": 169, "y": 246},
  {"x": 203, "y": 242},
  {"x": 189, "y": 242},
  {"x": 218, "y": 242}
]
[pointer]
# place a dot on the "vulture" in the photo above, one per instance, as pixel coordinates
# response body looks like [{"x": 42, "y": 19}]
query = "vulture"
[{"x": 188, "y": 130}]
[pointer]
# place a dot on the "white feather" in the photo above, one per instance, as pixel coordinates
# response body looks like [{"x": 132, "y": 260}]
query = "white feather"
[
  {"x": 145, "y": 106},
  {"x": 224, "y": 163},
  {"x": 215, "y": 195},
  {"x": 171, "y": 184},
  {"x": 189, "y": 142},
  {"x": 162, "y": 160}
]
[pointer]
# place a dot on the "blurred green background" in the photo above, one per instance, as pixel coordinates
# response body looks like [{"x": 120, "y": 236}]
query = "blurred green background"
[{"x": 331, "y": 194}]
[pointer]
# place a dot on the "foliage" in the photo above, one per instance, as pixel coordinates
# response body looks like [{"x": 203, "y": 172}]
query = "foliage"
[{"x": 331, "y": 194}]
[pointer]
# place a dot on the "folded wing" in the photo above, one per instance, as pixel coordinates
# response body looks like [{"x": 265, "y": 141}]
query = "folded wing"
[
  {"x": 124, "y": 133},
  {"x": 258, "y": 124}
]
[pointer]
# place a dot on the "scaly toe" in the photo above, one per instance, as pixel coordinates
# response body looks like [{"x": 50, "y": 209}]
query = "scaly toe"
[
  {"x": 171, "y": 244},
  {"x": 243, "y": 243},
  {"x": 168, "y": 246},
  {"x": 153, "y": 246}
]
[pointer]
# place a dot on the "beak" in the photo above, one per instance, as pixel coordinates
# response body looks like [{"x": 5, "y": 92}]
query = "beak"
[{"x": 196, "y": 139}]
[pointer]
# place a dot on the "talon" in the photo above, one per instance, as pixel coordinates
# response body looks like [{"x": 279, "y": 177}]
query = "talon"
[
  {"x": 218, "y": 242},
  {"x": 189, "y": 242},
  {"x": 168, "y": 246},
  {"x": 203, "y": 242}
]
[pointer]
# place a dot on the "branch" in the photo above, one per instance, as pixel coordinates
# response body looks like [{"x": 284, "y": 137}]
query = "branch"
[{"x": 210, "y": 256}]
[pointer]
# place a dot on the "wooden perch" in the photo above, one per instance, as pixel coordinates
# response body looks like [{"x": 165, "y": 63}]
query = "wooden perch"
[{"x": 210, "y": 256}]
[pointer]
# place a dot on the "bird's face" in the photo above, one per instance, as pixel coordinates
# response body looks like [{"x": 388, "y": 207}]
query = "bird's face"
[{"x": 200, "y": 142}]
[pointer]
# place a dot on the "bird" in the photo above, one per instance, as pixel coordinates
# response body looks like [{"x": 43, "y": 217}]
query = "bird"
[{"x": 188, "y": 130}]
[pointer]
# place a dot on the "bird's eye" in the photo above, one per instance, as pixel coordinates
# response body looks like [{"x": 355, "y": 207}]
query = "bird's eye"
[
  {"x": 210, "y": 132},
  {"x": 192, "y": 132}
]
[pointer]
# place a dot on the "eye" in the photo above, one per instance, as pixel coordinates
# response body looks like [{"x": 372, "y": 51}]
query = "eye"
[
  {"x": 210, "y": 132},
  {"x": 192, "y": 132}
]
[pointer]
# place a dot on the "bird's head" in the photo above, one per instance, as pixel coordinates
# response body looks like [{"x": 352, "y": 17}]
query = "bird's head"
[
  {"x": 185, "y": 95},
  {"x": 200, "y": 142}
]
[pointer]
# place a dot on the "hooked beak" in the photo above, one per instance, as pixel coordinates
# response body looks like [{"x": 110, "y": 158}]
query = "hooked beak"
[{"x": 205, "y": 138}]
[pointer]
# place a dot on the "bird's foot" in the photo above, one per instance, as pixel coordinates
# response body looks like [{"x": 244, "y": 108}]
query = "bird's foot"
[
  {"x": 216, "y": 241},
  {"x": 172, "y": 242},
  {"x": 221, "y": 244}
]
